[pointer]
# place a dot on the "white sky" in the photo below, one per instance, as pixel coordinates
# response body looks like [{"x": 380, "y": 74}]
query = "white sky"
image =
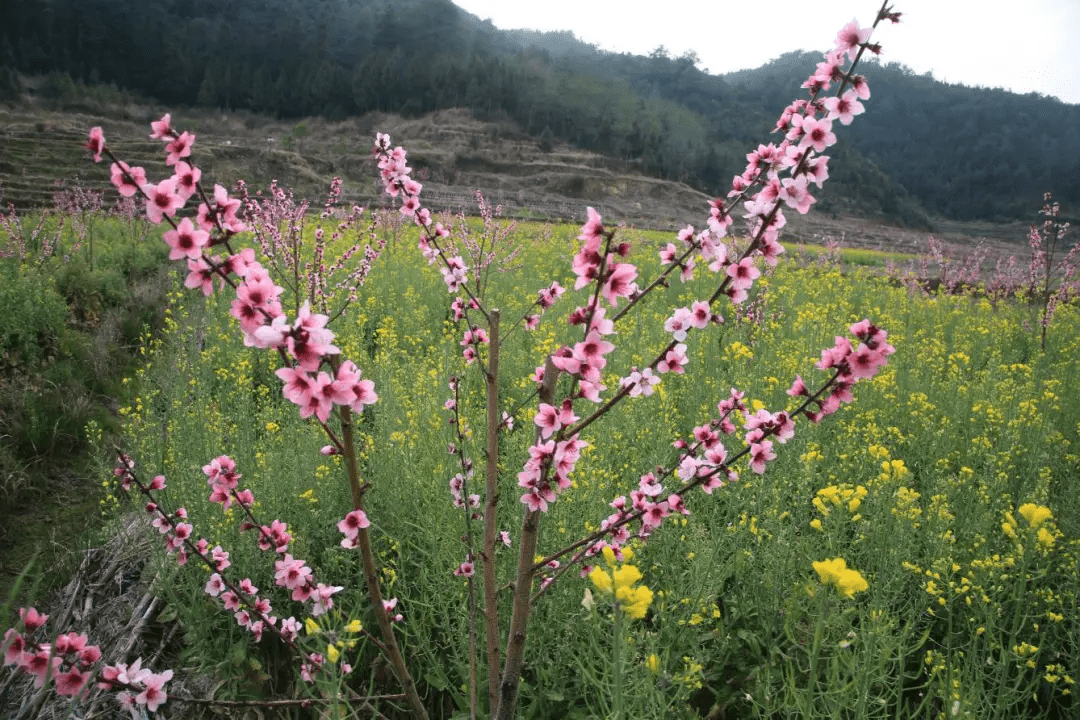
[{"x": 1023, "y": 46}]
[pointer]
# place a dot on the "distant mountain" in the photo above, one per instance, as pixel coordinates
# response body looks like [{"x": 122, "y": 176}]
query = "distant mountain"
[{"x": 922, "y": 148}]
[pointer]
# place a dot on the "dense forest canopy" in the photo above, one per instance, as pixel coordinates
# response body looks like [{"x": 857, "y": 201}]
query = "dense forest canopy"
[{"x": 921, "y": 147}]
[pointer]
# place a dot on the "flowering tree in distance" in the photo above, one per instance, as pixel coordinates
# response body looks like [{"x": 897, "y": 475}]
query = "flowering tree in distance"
[{"x": 569, "y": 392}]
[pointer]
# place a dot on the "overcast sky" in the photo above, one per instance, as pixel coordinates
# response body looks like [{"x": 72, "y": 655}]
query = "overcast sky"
[{"x": 1020, "y": 45}]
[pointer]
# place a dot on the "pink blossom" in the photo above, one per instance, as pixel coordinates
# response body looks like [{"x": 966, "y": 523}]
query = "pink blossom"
[
  {"x": 668, "y": 254},
  {"x": 322, "y": 600},
  {"x": 794, "y": 193},
  {"x": 161, "y": 129},
  {"x": 760, "y": 454},
  {"x": 126, "y": 179},
  {"x": 455, "y": 274},
  {"x": 674, "y": 360},
  {"x": 861, "y": 88},
  {"x": 353, "y": 523},
  {"x": 817, "y": 134},
  {"x": 69, "y": 643},
  {"x": 154, "y": 695},
  {"x": 70, "y": 682},
  {"x": 187, "y": 178},
  {"x": 186, "y": 241},
  {"x": 14, "y": 645},
  {"x": 179, "y": 147},
  {"x": 619, "y": 282},
  {"x": 534, "y": 501},
  {"x": 214, "y": 586},
  {"x": 291, "y": 573},
  {"x": 547, "y": 419},
  {"x": 678, "y": 323},
  {"x": 701, "y": 314},
  {"x": 844, "y": 108},
  {"x": 273, "y": 536},
  {"x": 593, "y": 229},
  {"x": 743, "y": 273},
  {"x": 162, "y": 200},
  {"x": 388, "y": 608},
  {"x": 220, "y": 558},
  {"x": 850, "y": 37},
  {"x": 675, "y": 504},
  {"x": 688, "y": 468},
  {"x": 200, "y": 275},
  {"x": 310, "y": 340},
  {"x": 96, "y": 143},
  {"x": 654, "y": 515},
  {"x": 290, "y": 628},
  {"x": 36, "y": 664},
  {"x": 299, "y": 385},
  {"x": 771, "y": 250},
  {"x": 32, "y": 619},
  {"x": 864, "y": 362}
]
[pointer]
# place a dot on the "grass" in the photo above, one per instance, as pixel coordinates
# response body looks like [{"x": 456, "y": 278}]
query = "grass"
[{"x": 70, "y": 332}]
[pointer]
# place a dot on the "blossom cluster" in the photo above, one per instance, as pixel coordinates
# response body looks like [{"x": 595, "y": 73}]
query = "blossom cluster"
[
  {"x": 306, "y": 343},
  {"x": 242, "y": 599},
  {"x": 69, "y": 662},
  {"x": 836, "y": 573},
  {"x": 620, "y": 582}
]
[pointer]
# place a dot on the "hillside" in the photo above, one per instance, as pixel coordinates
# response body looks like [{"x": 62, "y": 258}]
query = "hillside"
[
  {"x": 923, "y": 149},
  {"x": 455, "y": 155}
]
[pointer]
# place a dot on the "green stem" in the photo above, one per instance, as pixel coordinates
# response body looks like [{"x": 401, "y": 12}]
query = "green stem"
[
  {"x": 617, "y": 663},
  {"x": 819, "y": 630},
  {"x": 371, "y": 573}
]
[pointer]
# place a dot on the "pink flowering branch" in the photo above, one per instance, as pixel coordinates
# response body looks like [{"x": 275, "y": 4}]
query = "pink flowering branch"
[
  {"x": 709, "y": 472},
  {"x": 807, "y": 125},
  {"x": 303, "y": 346},
  {"x": 1054, "y": 280},
  {"x": 459, "y": 490}
]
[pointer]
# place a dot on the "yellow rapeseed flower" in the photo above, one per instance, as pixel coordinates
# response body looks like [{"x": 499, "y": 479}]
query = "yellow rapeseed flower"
[
  {"x": 1036, "y": 515},
  {"x": 620, "y": 582},
  {"x": 835, "y": 572},
  {"x": 634, "y": 601},
  {"x": 652, "y": 663},
  {"x": 601, "y": 580}
]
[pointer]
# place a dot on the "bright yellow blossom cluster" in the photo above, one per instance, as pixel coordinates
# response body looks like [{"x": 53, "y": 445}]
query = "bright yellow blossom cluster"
[
  {"x": 633, "y": 600},
  {"x": 1036, "y": 515},
  {"x": 837, "y": 495},
  {"x": 835, "y": 572}
]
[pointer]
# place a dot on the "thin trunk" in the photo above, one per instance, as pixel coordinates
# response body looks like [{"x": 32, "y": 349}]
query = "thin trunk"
[
  {"x": 519, "y": 616},
  {"x": 491, "y": 495},
  {"x": 371, "y": 574}
]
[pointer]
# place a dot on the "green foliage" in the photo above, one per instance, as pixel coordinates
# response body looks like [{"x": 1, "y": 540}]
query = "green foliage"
[
  {"x": 32, "y": 323},
  {"x": 68, "y": 334},
  {"x": 740, "y": 624}
]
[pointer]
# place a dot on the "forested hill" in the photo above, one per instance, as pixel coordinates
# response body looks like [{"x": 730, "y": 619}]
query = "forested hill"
[{"x": 923, "y": 147}]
